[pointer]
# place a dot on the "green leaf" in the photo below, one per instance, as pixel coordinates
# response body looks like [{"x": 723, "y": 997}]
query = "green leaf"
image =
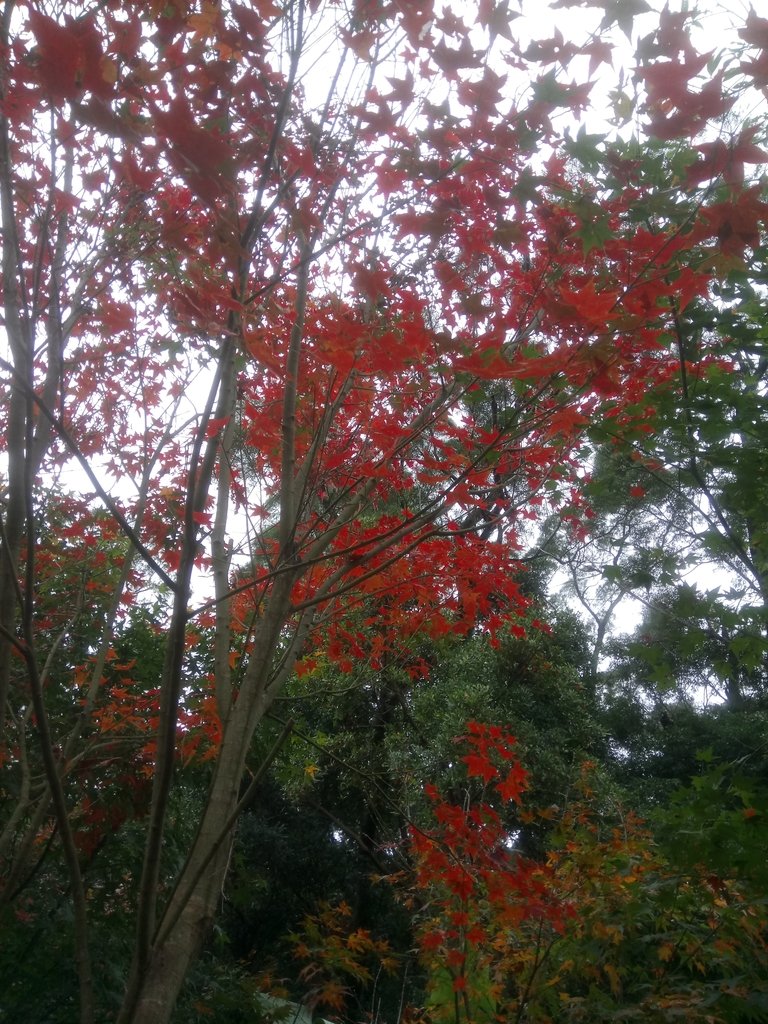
[
  {"x": 613, "y": 573},
  {"x": 547, "y": 89},
  {"x": 595, "y": 229},
  {"x": 584, "y": 148},
  {"x": 622, "y": 13}
]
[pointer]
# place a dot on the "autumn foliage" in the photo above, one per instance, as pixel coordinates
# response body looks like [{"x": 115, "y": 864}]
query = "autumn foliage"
[
  {"x": 607, "y": 928},
  {"x": 307, "y": 307}
]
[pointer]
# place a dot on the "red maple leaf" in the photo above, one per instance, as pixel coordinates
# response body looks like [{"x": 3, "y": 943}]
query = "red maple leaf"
[
  {"x": 478, "y": 766},
  {"x": 515, "y": 783},
  {"x": 69, "y": 57}
]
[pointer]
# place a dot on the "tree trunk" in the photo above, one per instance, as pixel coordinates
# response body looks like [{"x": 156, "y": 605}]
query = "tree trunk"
[
  {"x": 155, "y": 985},
  {"x": 156, "y": 980},
  {"x": 161, "y": 980}
]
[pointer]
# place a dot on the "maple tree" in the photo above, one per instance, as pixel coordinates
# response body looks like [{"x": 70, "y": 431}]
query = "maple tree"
[{"x": 307, "y": 308}]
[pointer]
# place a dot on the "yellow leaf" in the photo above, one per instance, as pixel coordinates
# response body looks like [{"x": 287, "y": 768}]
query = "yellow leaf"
[
  {"x": 108, "y": 70},
  {"x": 227, "y": 52},
  {"x": 311, "y": 770},
  {"x": 361, "y": 939},
  {"x": 333, "y": 994},
  {"x": 613, "y": 978},
  {"x": 666, "y": 951},
  {"x": 204, "y": 24}
]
